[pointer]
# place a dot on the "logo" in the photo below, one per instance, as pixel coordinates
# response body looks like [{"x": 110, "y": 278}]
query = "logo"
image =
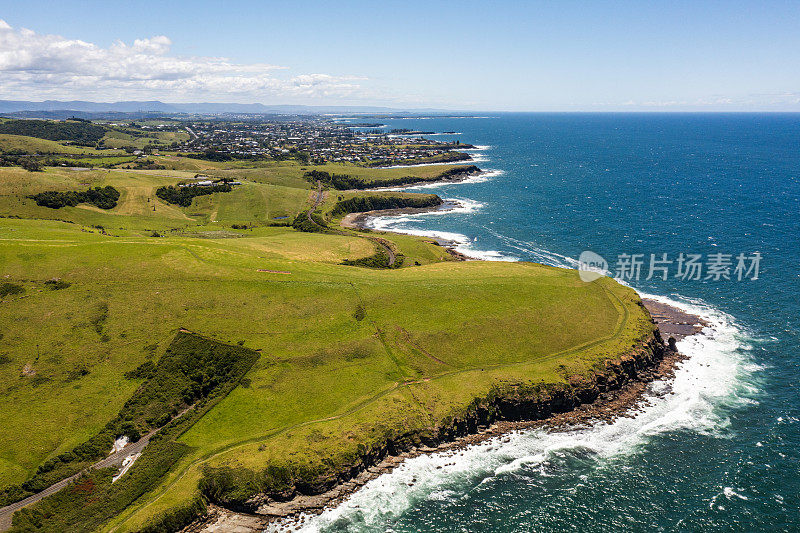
[{"x": 591, "y": 266}]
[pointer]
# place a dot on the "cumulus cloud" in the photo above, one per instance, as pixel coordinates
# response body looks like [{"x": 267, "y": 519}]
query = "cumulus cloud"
[{"x": 34, "y": 65}]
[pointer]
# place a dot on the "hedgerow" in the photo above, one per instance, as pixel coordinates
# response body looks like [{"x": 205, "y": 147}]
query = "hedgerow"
[
  {"x": 193, "y": 371},
  {"x": 346, "y": 181}
]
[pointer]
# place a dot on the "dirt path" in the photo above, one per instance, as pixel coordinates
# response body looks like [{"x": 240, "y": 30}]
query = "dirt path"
[
  {"x": 386, "y": 248},
  {"x": 115, "y": 459},
  {"x": 318, "y": 199}
]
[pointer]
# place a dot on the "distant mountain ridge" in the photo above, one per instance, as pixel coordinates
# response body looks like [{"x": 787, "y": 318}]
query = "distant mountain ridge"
[{"x": 155, "y": 106}]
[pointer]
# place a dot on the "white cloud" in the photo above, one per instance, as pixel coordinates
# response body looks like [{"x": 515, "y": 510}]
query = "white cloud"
[{"x": 35, "y": 66}]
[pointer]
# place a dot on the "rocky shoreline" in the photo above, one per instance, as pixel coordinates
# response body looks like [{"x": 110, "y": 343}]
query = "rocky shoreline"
[
  {"x": 449, "y": 177},
  {"x": 360, "y": 222},
  {"x": 618, "y": 391}
]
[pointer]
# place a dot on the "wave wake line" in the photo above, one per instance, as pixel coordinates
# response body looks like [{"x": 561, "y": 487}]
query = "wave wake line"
[{"x": 718, "y": 375}]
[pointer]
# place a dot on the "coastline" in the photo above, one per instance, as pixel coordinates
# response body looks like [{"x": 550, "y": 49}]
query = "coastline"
[
  {"x": 470, "y": 152},
  {"x": 622, "y": 393},
  {"x": 360, "y": 222},
  {"x": 624, "y": 400},
  {"x": 449, "y": 177}
]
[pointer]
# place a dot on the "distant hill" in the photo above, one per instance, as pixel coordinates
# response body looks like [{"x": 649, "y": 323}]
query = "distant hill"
[{"x": 155, "y": 106}]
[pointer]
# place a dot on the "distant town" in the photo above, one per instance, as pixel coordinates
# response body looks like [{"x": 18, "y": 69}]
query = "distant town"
[{"x": 315, "y": 141}]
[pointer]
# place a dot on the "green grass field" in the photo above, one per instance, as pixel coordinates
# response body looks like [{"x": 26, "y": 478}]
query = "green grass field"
[
  {"x": 119, "y": 138},
  {"x": 10, "y": 143},
  {"x": 348, "y": 355}
]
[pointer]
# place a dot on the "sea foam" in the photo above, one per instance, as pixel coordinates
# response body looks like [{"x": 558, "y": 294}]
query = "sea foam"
[
  {"x": 481, "y": 177},
  {"x": 460, "y": 242},
  {"x": 717, "y": 373}
]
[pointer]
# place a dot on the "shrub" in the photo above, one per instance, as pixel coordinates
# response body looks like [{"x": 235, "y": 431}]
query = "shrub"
[
  {"x": 10, "y": 289},
  {"x": 192, "y": 370},
  {"x": 310, "y": 223},
  {"x": 56, "y": 284},
  {"x": 90, "y": 501},
  {"x": 31, "y": 165},
  {"x": 177, "y": 518},
  {"x": 103, "y": 197},
  {"x": 183, "y": 196},
  {"x": 360, "y": 313},
  {"x": 78, "y": 132},
  {"x": 345, "y": 181},
  {"x": 144, "y": 371},
  {"x": 360, "y": 204}
]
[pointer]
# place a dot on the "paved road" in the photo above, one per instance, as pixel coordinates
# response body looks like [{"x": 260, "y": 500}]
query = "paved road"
[
  {"x": 115, "y": 458},
  {"x": 317, "y": 200},
  {"x": 385, "y": 247}
]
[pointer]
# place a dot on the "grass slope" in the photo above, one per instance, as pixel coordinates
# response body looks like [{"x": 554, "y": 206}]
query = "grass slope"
[
  {"x": 350, "y": 355},
  {"x": 12, "y": 143}
]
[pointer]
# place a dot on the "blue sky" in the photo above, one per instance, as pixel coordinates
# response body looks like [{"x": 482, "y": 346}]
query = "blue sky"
[{"x": 593, "y": 56}]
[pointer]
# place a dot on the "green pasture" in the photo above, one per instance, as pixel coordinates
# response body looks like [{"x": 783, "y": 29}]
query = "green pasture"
[{"x": 348, "y": 356}]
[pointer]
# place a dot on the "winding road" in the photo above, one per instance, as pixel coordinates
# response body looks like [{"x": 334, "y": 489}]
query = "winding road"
[
  {"x": 115, "y": 459},
  {"x": 319, "y": 197}
]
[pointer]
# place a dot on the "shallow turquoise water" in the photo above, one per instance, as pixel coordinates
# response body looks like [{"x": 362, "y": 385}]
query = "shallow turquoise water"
[{"x": 718, "y": 448}]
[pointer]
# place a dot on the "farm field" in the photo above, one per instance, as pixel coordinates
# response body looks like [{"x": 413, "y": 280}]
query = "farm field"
[{"x": 349, "y": 356}]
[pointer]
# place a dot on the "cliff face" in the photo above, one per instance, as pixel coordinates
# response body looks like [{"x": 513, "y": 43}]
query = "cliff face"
[
  {"x": 507, "y": 402},
  {"x": 459, "y": 172},
  {"x": 638, "y": 365}
]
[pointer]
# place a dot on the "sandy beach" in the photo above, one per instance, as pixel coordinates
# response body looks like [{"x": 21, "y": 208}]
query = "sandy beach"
[{"x": 361, "y": 222}]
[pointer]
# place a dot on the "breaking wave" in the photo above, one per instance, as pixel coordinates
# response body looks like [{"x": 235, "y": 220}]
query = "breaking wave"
[
  {"x": 716, "y": 375},
  {"x": 458, "y": 241},
  {"x": 481, "y": 177}
]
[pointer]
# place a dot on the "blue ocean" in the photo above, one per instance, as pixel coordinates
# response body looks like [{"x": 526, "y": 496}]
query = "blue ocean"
[{"x": 717, "y": 448}]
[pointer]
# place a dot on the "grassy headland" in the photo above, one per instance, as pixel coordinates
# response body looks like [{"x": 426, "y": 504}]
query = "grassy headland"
[{"x": 351, "y": 358}]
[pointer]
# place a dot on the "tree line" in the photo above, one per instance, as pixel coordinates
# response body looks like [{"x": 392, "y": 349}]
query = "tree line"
[
  {"x": 183, "y": 196},
  {"x": 346, "y": 181},
  {"x": 102, "y": 197},
  {"x": 77, "y": 132}
]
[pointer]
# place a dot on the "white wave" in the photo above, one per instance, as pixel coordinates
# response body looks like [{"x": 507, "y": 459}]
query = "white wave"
[
  {"x": 459, "y": 205},
  {"x": 729, "y": 493},
  {"x": 536, "y": 253},
  {"x": 459, "y": 242},
  {"x": 717, "y": 373},
  {"x": 476, "y": 154},
  {"x": 478, "y": 157}
]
